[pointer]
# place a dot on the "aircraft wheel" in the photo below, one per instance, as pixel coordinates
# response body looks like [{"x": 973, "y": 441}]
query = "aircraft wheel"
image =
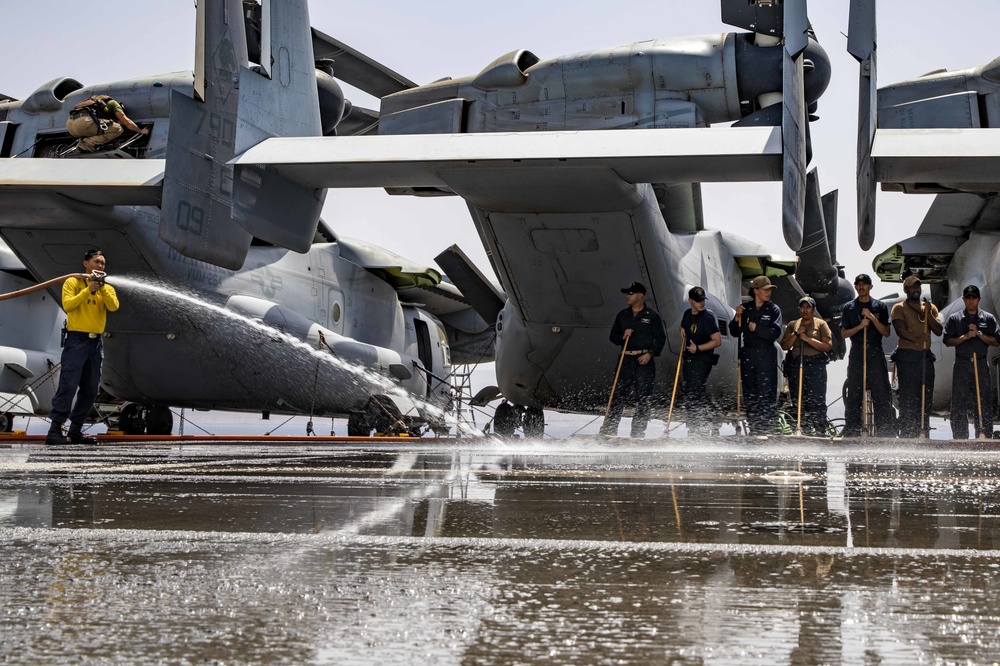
[
  {"x": 159, "y": 420},
  {"x": 6, "y": 422},
  {"x": 506, "y": 419},
  {"x": 534, "y": 422},
  {"x": 132, "y": 420},
  {"x": 358, "y": 426}
]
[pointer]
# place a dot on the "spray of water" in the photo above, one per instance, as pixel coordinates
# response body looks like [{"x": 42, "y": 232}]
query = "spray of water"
[{"x": 375, "y": 382}]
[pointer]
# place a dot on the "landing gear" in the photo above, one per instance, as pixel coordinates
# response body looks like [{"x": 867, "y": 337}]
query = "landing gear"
[
  {"x": 534, "y": 422},
  {"x": 136, "y": 419},
  {"x": 159, "y": 420},
  {"x": 132, "y": 420},
  {"x": 358, "y": 425},
  {"x": 383, "y": 416},
  {"x": 507, "y": 418}
]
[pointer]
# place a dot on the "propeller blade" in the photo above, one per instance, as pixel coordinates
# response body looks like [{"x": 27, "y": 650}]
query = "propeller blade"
[
  {"x": 830, "y": 216},
  {"x": 793, "y": 123},
  {"x": 484, "y": 298},
  {"x": 818, "y": 273},
  {"x": 862, "y": 44}
]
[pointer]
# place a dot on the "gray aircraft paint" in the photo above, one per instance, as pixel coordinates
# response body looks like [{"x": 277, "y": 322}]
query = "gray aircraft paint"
[{"x": 160, "y": 353}]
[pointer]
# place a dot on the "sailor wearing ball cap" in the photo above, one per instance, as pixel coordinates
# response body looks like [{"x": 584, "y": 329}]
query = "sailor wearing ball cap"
[
  {"x": 758, "y": 325},
  {"x": 865, "y": 320},
  {"x": 971, "y": 331},
  {"x": 700, "y": 329},
  {"x": 807, "y": 341},
  {"x": 639, "y": 330}
]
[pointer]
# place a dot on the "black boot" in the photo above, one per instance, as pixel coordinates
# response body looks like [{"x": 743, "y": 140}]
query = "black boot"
[
  {"x": 55, "y": 436},
  {"x": 76, "y": 435}
]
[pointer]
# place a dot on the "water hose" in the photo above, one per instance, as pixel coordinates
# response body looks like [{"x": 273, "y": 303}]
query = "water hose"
[{"x": 42, "y": 285}]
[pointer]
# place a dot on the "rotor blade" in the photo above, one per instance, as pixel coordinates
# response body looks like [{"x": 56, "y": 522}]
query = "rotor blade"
[
  {"x": 830, "y": 216},
  {"x": 816, "y": 272},
  {"x": 357, "y": 69},
  {"x": 485, "y": 299},
  {"x": 793, "y": 140},
  {"x": 862, "y": 44},
  {"x": 796, "y": 22}
]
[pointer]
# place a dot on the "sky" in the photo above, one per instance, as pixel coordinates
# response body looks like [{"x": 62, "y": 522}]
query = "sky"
[{"x": 46, "y": 39}]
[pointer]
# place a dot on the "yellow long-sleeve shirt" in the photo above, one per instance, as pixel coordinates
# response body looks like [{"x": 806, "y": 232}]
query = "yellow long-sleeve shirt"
[{"x": 87, "y": 312}]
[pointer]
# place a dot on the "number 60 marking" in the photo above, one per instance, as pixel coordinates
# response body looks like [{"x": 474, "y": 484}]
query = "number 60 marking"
[{"x": 190, "y": 218}]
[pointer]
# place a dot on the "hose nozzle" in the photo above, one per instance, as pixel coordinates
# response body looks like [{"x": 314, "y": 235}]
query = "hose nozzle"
[{"x": 98, "y": 276}]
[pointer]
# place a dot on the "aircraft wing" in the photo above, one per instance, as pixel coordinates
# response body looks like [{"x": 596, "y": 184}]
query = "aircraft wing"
[
  {"x": 911, "y": 156},
  {"x": 357, "y": 69},
  {"x": 529, "y": 162},
  {"x": 958, "y": 214},
  {"x": 440, "y": 299},
  {"x": 95, "y": 182},
  {"x": 401, "y": 273}
]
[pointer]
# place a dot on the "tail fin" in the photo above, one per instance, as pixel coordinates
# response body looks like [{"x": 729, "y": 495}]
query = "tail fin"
[
  {"x": 279, "y": 99},
  {"x": 196, "y": 217}
]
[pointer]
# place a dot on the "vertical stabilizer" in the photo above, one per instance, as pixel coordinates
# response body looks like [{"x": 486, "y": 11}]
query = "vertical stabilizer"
[
  {"x": 278, "y": 99},
  {"x": 196, "y": 217}
]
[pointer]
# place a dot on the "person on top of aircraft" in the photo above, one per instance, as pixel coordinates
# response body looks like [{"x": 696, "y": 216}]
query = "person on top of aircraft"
[
  {"x": 971, "y": 332},
  {"x": 914, "y": 359},
  {"x": 808, "y": 340},
  {"x": 639, "y": 331},
  {"x": 700, "y": 329},
  {"x": 758, "y": 326},
  {"x": 87, "y": 302},
  {"x": 97, "y": 120},
  {"x": 870, "y": 317}
]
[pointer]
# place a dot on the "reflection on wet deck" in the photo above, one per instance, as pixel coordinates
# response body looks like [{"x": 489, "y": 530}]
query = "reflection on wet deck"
[
  {"x": 753, "y": 498},
  {"x": 538, "y": 553}
]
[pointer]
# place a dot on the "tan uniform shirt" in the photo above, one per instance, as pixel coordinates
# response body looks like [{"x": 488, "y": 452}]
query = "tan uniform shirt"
[
  {"x": 817, "y": 328},
  {"x": 913, "y": 323}
]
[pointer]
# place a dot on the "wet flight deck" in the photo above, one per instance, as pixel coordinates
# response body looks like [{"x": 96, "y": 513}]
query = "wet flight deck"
[{"x": 574, "y": 551}]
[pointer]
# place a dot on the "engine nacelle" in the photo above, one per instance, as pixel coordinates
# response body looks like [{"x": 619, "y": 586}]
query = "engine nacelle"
[{"x": 50, "y": 96}]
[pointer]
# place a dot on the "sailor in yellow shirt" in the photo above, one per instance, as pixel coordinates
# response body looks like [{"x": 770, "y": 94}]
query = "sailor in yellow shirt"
[{"x": 86, "y": 301}]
